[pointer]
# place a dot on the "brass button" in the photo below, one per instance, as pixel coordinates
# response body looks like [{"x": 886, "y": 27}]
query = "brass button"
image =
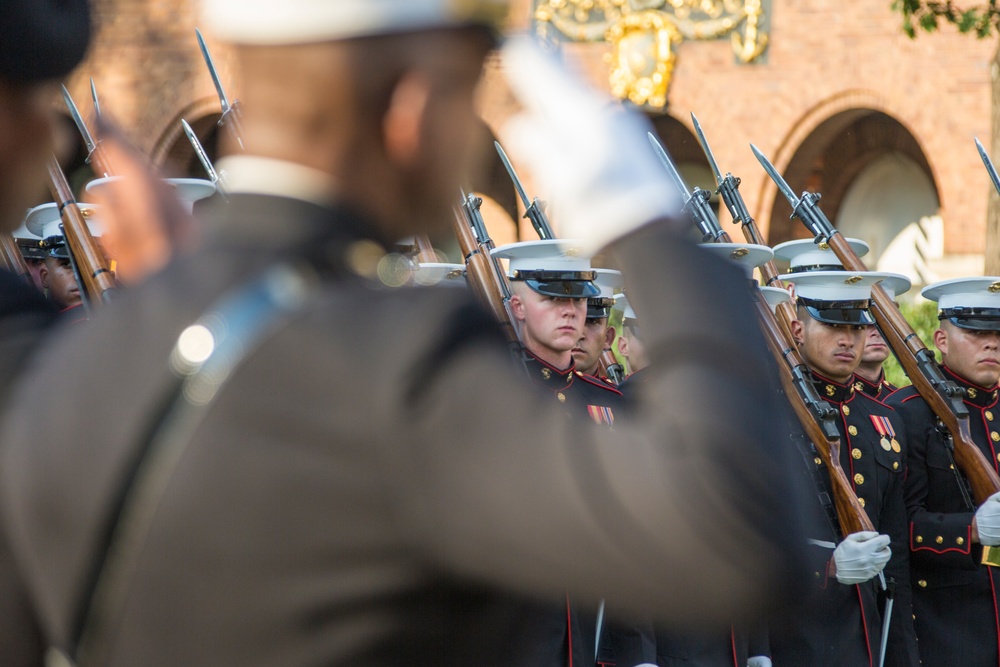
[
  {"x": 830, "y": 391},
  {"x": 989, "y": 415},
  {"x": 920, "y": 539},
  {"x": 922, "y": 583},
  {"x": 546, "y": 373},
  {"x": 847, "y": 410},
  {"x": 895, "y": 465},
  {"x": 561, "y": 396},
  {"x": 959, "y": 541},
  {"x": 994, "y": 436},
  {"x": 818, "y": 461},
  {"x": 857, "y": 386},
  {"x": 859, "y": 479},
  {"x": 861, "y": 501},
  {"x": 856, "y": 453},
  {"x": 971, "y": 392},
  {"x": 852, "y": 430},
  {"x": 939, "y": 539}
]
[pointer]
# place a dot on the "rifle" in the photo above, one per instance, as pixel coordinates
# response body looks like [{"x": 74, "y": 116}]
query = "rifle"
[
  {"x": 485, "y": 277},
  {"x": 729, "y": 190},
  {"x": 12, "y": 259},
  {"x": 816, "y": 415},
  {"x": 95, "y": 152},
  {"x": 231, "y": 113},
  {"x": 944, "y": 397},
  {"x": 199, "y": 150},
  {"x": 97, "y": 281}
]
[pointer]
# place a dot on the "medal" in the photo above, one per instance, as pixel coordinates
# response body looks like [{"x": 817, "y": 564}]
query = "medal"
[
  {"x": 895, "y": 446},
  {"x": 885, "y": 443}
]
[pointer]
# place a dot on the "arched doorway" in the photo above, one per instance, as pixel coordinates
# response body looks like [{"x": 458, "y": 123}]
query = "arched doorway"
[{"x": 874, "y": 180}]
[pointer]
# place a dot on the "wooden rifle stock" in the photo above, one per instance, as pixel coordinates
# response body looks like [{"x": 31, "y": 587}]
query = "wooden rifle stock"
[
  {"x": 483, "y": 278},
  {"x": 97, "y": 278},
  {"x": 850, "y": 513},
  {"x": 609, "y": 367},
  {"x": 916, "y": 360},
  {"x": 12, "y": 258}
]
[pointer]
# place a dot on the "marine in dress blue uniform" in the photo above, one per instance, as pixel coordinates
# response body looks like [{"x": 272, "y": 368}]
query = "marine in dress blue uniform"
[{"x": 954, "y": 595}]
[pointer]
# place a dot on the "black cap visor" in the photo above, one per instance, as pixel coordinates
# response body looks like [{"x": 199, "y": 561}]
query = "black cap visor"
[
  {"x": 599, "y": 308},
  {"x": 854, "y": 313},
  {"x": 560, "y": 284},
  {"x": 980, "y": 319}
]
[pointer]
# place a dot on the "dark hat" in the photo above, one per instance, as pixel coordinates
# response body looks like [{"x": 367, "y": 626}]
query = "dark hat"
[
  {"x": 42, "y": 39},
  {"x": 608, "y": 281},
  {"x": 969, "y": 303}
]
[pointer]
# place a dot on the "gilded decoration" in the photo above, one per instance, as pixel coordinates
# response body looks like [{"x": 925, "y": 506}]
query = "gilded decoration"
[{"x": 643, "y": 34}]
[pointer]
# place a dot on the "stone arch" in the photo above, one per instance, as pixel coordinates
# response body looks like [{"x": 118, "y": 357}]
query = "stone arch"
[
  {"x": 173, "y": 154},
  {"x": 835, "y": 150}
]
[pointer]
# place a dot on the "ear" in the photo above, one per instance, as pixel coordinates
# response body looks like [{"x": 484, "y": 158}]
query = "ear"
[
  {"x": 798, "y": 330},
  {"x": 403, "y": 123},
  {"x": 623, "y": 346},
  {"x": 517, "y": 307},
  {"x": 43, "y": 275},
  {"x": 609, "y": 337},
  {"x": 941, "y": 340}
]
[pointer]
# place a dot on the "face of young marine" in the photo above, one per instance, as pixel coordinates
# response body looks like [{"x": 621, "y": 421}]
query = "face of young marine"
[
  {"x": 588, "y": 349},
  {"x": 832, "y": 350},
  {"x": 57, "y": 277},
  {"x": 876, "y": 351},
  {"x": 550, "y": 326},
  {"x": 971, "y": 354}
]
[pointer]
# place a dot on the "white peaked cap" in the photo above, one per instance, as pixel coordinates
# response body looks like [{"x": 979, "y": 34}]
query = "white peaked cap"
[
  {"x": 23, "y": 232},
  {"x": 775, "y": 296},
  {"x": 747, "y": 255},
  {"x": 43, "y": 221},
  {"x": 547, "y": 255},
  {"x": 844, "y": 285},
  {"x": 608, "y": 281},
  {"x": 624, "y": 307},
  {"x": 806, "y": 252},
  {"x": 981, "y": 292},
  {"x": 433, "y": 273},
  {"x": 189, "y": 190},
  {"x": 306, "y": 21}
]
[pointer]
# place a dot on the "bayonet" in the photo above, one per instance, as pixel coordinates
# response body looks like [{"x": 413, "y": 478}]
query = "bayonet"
[
  {"x": 88, "y": 138},
  {"x": 199, "y": 150},
  {"x": 695, "y": 201},
  {"x": 534, "y": 208},
  {"x": 230, "y": 112},
  {"x": 990, "y": 169},
  {"x": 805, "y": 208},
  {"x": 93, "y": 95},
  {"x": 707, "y": 150}
]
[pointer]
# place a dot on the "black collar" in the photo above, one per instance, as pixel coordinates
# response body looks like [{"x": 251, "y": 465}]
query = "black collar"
[
  {"x": 982, "y": 397},
  {"x": 547, "y": 375},
  {"x": 831, "y": 391},
  {"x": 871, "y": 388}
]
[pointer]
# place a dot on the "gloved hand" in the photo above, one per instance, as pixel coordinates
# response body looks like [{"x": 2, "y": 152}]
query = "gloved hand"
[
  {"x": 988, "y": 521},
  {"x": 589, "y": 155},
  {"x": 759, "y": 661},
  {"x": 861, "y": 556}
]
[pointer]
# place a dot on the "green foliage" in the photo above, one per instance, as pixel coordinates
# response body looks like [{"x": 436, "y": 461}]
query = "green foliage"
[
  {"x": 923, "y": 318},
  {"x": 981, "y": 20}
]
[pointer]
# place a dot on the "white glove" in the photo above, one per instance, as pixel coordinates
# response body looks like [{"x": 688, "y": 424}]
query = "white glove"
[
  {"x": 988, "y": 521},
  {"x": 588, "y": 154},
  {"x": 759, "y": 661},
  {"x": 861, "y": 556}
]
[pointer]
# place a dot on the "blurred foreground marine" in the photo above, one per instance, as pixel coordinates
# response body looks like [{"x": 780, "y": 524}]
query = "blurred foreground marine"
[
  {"x": 40, "y": 41},
  {"x": 208, "y": 513},
  {"x": 955, "y": 578}
]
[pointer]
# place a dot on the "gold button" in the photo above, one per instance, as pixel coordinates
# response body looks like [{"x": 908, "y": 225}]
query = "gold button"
[
  {"x": 853, "y": 430},
  {"x": 857, "y": 386},
  {"x": 847, "y": 410},
  {"x": 830, "y": 391},
  {"x": 818, "y": 461},
  {"x": 951, "y": 466},
  {"x": 546, "y": 373},
  {"x": 939, "y": 539},
  {"x": 920, "y": 539},
  {"x": 895, "y": 465},
  {"x": 861, "y": 501},
  {"x": 959, "y": 540},
  {"x": 971, "y": 392},
  {"x": 994, "y": 436},
  {"x": 922, "y": 583},
  {"x": 989, "y": 415},
  {"x": 561, "y": 396},
  {"x": 856, "y": 453},
  {"x": 859, "y": 479}
]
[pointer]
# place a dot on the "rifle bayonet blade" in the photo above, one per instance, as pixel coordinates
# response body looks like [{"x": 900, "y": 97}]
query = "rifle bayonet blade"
[
  {"x": 776, "y": 177},
  {"x": 513, "y": 175},
  {"x": 707, "y": 149},
  {"x": 78, "y": 119},
  {"x": 223, "y": 100},
  {"x": 661, "y": 153},
  {"x": 93, "y": 95},
  {"x": 199, "y": 150},
  {"x": 990, "y": 169}
]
